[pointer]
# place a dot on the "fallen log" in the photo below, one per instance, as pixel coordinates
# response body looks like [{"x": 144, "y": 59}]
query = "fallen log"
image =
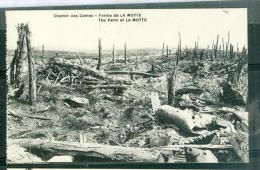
[
  {"x": 28, "y": 116},
  {"x": 101, "y": 152},
  {"x": 132, "y": 73},
  {"x": 86, "y": 87},
  {"x": 102, "y": 86}
]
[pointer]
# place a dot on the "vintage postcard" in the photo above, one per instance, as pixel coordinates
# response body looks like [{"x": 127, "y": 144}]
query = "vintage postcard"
[{"x": 127, "y": 85}]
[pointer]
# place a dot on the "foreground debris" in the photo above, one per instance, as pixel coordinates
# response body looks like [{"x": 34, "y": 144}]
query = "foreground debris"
[{"x": 114, "y": 153}]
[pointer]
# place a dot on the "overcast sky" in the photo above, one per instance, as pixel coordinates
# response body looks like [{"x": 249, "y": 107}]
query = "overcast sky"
[{"x": 162, "y": 25}]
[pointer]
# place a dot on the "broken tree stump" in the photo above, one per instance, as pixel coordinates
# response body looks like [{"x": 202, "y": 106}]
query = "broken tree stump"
[{"x": 171, "y": 80}]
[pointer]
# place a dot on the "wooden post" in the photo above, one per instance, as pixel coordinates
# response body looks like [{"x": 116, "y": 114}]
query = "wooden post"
[
  {"x": 99, "y": 54},
  {"x": 171, "y": 81},
  {"x": 113, "y": 54},
  {"x": 32, "y": 75},
  {"x": 125, "y": 52}
]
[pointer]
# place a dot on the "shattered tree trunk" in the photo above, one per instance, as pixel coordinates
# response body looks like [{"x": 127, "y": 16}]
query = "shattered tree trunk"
[
  {"x": 99, "y": 54},
  {"x": 235, "y": 74},
  {"x": 20, "y": 65},
  {"x": 201, "y": 54},
  {"x": 32, "y": 75},
  {"x": 167, "y": 52},
  {"x": 13, "y": 68},
  {"x": 212, "y": 51},
  {"x": 125, "y": 52},
  {"x": 43, "y": 54},
  {"x": 113, "y": 54},
  {"x": 171, "y": 80},
  {"x": 179, "y": 53},
  {"x": 163, "y": 50},
  {"x": 194, "y": 55},
  {"x": 231, "y": 52},
  {"x": 207, "y": 52},
  {"x": 216, "y": 48},
  {"x": 223, "y": 50},
  {"x": 42, "y": 50},
  {"x": 227, "y": 45}
]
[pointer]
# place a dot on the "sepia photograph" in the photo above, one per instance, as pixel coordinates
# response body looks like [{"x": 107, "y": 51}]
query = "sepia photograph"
[{"x": 127, "y": 85}]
